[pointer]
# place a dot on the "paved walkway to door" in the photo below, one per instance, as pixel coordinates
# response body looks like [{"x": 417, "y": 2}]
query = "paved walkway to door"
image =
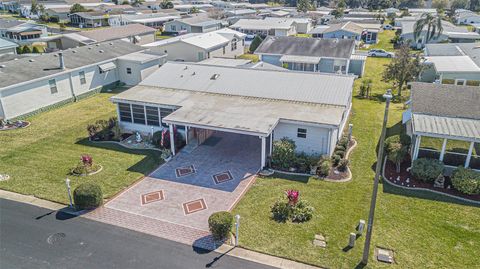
[{"x": 184, "y": 192}]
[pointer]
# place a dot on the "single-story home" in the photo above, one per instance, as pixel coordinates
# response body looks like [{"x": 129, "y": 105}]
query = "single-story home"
[
  {"x": 312, "y": 54},
  {"x": 197, "y": 23},
  {"x": 467, "y": 17},
  {"x": 32, "y": 84},
  {"x": 452, "y": 63},
  {"x": 449, "y": 113},
  {"x": 197, "y": 100},
  {"x": 7, "y": 47},
  {"x": 22, "y": 32},
  {"x": 134, "y": 33},
  {"x": 347, "y": 30},
  {"x": 225, "y": 43},
  {"x": 450, "y": 33},
  {"x": 273, "y": 26},
  {"x": 155, "y": 20}
]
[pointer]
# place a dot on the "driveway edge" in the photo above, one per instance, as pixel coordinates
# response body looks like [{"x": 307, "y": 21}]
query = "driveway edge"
[{"x": 31, "y": 200}]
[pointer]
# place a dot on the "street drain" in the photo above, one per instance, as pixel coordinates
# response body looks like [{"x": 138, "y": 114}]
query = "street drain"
[{"x": 55, "y": 238}]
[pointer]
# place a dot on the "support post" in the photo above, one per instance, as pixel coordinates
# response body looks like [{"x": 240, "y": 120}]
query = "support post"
[
  {"x": 417, "y": 147},
  {"x": 186, "y": 135},
  {"x": 172, "y": 139},
  {"x": 469, "y": 155},
  {"x": 271, "y": 143},
  {"x": 444, "y": 147},
  {"x": 263, "y": 152},
  {"x": 69, "y": 191},
  {"x": 378, "y": 169}
]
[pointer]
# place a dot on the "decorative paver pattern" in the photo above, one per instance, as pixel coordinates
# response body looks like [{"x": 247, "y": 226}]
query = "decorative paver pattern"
[
  {"x": 185, "y": 171},
  {"x": 222, "y": 177},
  {"x": 194, "y": 206},
  {"x": 152, "y": 197}
]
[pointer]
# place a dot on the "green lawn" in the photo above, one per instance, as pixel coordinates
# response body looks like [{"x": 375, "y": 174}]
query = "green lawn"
[
  {"x": 424, "y": 230},
  {"x": 384, "y": 38},
  {"x": 249, "y": 56},
  {"x": 39, "y": 157}
]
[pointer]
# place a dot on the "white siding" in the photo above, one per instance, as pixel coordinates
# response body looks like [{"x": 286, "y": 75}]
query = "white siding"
[
  {"x": 139, "y": 71},
  {"x": 229, "y": 53},
  {"x": 180, "y": 51},
  {"x": 315, "y": 143}
]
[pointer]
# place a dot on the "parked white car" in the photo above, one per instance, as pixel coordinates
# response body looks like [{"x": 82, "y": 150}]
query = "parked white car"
[
  {"x": 387, "y": 27},
  {"x": 380, "y": 53}
]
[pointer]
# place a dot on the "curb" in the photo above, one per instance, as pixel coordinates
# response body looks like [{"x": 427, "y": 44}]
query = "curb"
[
  {"x": 31, "y": 200},
  {"x": 424, "y": 189}
]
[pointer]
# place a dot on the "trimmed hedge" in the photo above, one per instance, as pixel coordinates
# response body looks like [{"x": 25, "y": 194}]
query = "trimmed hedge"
[
  {"x": 87, "y": 196},
  {"x": 466, "y": 180},
  {"x": 427, "y": 170},
  {"x": 220, "y": 224}
]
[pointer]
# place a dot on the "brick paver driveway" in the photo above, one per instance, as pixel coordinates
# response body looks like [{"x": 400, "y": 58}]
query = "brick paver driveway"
[{"x": 179, "y": 196}]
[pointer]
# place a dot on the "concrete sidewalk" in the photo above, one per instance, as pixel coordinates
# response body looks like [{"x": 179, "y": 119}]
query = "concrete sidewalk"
[{"x": 224, "y": 249}]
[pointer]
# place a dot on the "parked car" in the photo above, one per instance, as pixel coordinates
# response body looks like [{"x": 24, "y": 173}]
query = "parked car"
[
  {"x": 380, "y": 53},
  {"x": 387, "y": 27}
]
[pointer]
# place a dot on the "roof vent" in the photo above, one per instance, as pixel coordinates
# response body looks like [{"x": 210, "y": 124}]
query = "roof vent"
[
  {"x": 186, "y": 67},
  {"x": 74, "y": 51},
  {"x": 89, "y": 48},
  {"x": 98, "y": 45},
  {"x": 101, "y": 51},
  {"x": 193, "y": 74},
  {"x": 2, "y": 66},
  {"x": 111, "y": 44},
  {"x": 31, "y": 60},
  {"x": 215, "y": 76}
]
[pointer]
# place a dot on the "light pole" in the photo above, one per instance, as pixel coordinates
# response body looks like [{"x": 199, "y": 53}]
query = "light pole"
[
  {"x": 237, "y": 225},
  {"x": 373, "y": 203},
  {"x": 67, "y": 181}
]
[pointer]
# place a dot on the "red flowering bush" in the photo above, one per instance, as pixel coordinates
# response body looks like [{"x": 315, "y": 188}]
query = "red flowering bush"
[
  {"x": 293, "y": 208},
  {"x": 292, "y": 196},
  {"x": 87, "y": 160}
]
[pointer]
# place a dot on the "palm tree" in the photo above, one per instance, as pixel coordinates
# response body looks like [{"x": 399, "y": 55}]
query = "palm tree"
[{"x": 433, "y": 24}]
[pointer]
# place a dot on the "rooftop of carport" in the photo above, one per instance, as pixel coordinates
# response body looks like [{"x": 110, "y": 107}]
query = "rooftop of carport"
[{"x": 240, "y": 114}]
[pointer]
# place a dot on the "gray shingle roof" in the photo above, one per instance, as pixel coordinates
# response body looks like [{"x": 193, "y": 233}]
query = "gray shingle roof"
[
  {"x": 30, "y": 68},
  {"x": 335, "y": 48},
  {"x": 455, "y": 49},
  {"x": 119, "y": 32},
  {"x": 446, "y": 100}
]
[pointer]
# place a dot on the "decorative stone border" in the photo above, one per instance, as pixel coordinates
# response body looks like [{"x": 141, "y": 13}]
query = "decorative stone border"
[
  {"x": 347, "y": 154},
  {"x": 89, "y": 174},
  {"x": 16, "y": 127},
  {"x": 424, "y": 189}
]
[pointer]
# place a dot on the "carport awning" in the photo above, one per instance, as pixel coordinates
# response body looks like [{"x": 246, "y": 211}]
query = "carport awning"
[{"x": 107, "y": 67}]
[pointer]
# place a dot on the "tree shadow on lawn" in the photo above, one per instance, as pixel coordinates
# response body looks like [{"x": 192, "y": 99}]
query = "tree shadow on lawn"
[
  {"x": 145, "y": 166},
  {"x": 426, "y": 195},
  {"x": 296, "y": 178}
]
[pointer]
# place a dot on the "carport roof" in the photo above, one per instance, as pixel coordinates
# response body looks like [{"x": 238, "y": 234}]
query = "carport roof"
[{"x": 239, "y": 114}]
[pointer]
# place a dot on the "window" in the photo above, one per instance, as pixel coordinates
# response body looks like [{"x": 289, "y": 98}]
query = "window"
[
  {"x": 173, "y": 27},
  {"x": 165, "y": 112},
  {"x": 129, "y": 70},
  {"x": 138, "y": 114},
  {"x": 82, "y": 78},
  {"x": 53, "y": 86},
  {"x": 152, "y": 116},
  {"x": 125, "y": 112},
  {"x": 234, "y": 44},
  {"x": 461, "y": 82},
  {"x": 302, "y": 133}
]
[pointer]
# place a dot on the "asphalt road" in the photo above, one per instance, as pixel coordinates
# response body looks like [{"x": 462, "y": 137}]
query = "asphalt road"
[{"x": 33, "y": 237}]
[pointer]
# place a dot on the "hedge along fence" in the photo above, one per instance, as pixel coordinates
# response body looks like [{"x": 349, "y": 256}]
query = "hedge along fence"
[{"x": 69, "y": 100}]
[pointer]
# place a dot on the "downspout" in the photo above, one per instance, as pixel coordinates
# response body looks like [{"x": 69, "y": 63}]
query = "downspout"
[{"x": 71, "y": 87}]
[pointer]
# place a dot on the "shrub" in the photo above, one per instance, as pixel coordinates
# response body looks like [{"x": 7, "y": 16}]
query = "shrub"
[
  {"x": 36, "y": 50},
  {"x": 220, "y": 224},
  {"x": 339, "y": 148},
  {"x": 87, "y": 195},
  {"x": 302, "y": 212},
  {"x": 396, "y": 153},
  {"x": 402, "y": 139},
  {"x": 280, "y": 211},
  {"x": 283, "y": 155},
  {"x": 343, "y": 142},
  {"x": 340, "y": 153},
  {"x": 26, "y": 49},
  {"x": 336, "y": 159},
  {"x": 255, "y": 43},
  {"x": 427, "y": 170},
  {"x": 466, "y": 180},
  {"x": 342, "y": 165},
  {"x": 324, "y": 169},
  {"x": 157, "y": 138}
]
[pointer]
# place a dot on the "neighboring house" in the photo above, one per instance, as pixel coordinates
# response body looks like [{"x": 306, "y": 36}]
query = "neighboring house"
[
  {"x": 312, "y": 54},
  {"x": 391, "y": 11},
  {"x": 22, "y": 32},
  {"x": 7, "y": 47},
  {"x": 225, "y": 43},
  {"x": 310, "y": 109},
  {"x": 453, "y": 63},
  {"x": 92, "y": 19},
  {"x": 31, "y": 84},
  {"x": 273, "y": 26},
  {"x": 240, "y": 12},
  {"x": 188, "y": 7},
  {"x": 420, "y": 11},
  {"x": 154, "y": 20},
  {"x": 134, "y": 33},
  {"x": 450, "y": 33},
  {"x": 448, "y": 113},
  {"x": 467, "y": 17},
  {"x": 348, "y": 30},
  {"x": 198, "y": 23},
  {"x": 59, "y": 14}
]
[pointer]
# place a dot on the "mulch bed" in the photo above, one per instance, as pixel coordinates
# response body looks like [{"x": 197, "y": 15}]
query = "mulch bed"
[
  {"x": 392, "y": 176},
  {"x": 15, "y": 125}
]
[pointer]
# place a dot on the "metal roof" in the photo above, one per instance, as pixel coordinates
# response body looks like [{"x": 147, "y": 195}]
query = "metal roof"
[
  {"x": 453, "y": 63},
  {"x": 112, "y": 33},
  {"x": 464, "y": 129},
  {"x": 317, "y": 88},
  {"x": 300, "y": 59},
  {"x": 255, "y": 116},
  {"x": 301, "y": 46}
]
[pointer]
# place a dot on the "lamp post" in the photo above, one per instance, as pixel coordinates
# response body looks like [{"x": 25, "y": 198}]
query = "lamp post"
[
  {"x": 368, "y": 237},
  {"x": 67, "y": 181},
  {"x": 237, "y": 225}
]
